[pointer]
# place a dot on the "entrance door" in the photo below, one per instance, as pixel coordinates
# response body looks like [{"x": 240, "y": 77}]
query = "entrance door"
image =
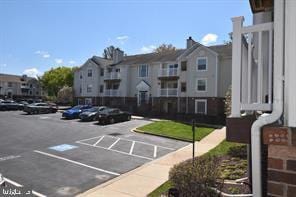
[{"x": 142, "y": 97}]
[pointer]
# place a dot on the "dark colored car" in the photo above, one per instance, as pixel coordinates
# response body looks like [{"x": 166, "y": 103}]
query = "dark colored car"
[
  {"x": 10, "y": 105},
  {"x": 40, "y": 108},
  {"x": 75, "y": 111},
  {"x": 90, "y": 114},
  {"x": 112, "y": 115}
]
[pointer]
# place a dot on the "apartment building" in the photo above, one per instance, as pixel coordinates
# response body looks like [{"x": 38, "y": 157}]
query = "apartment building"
[
  {"x": 193, "y": 80},
  {"x": 17, "y": 87}
]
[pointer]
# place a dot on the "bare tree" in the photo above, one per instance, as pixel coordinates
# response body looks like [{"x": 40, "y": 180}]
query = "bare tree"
[
  {"x": 164, "y": 48},
  {"x": 108, "y": 52}
]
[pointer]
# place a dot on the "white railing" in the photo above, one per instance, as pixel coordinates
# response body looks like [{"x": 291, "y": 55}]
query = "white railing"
[
  {"x": 25, "y": 86},
  {"x": 252, "y": 66},
  {"x": 112, "y": 75},
  {"x": 168, "y": 72},
  {"x": 112, "y": 92},
  {"x": 169, "y": 92}
]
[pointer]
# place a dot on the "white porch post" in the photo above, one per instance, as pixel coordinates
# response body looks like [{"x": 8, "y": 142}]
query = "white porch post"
[
  {"x": 236, "y": 65},
  {"x": 290, "y": 59}
]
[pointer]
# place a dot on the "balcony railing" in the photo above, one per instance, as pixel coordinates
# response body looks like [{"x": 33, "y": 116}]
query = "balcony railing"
[
  {"x": 169, "y": 92},
  {"x": 252, "y": 67},
  {"x": 112, "y": 76},
  {"x": 168, "y": 72},
  {"x": 112, "y": 92},
  {"x": 25, "y": 87}
]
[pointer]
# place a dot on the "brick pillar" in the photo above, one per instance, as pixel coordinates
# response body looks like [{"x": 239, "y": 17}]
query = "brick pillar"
[{"x": 281, "y": 171}]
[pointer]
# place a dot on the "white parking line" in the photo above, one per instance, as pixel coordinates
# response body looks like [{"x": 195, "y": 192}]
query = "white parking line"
[
  {"x": 113, "y": 143},
  {"x": 143, "y": 143},
  {"x": 139, "y": 156},
  {"x": 132, "y": 148},
  {"x": 75, "y": 162},
  {"x": 90, "y": 138},
  {"x": 99, "y": 140},
  {"x": 19, "y": 185},
  {"x": 155, "y": 151}
]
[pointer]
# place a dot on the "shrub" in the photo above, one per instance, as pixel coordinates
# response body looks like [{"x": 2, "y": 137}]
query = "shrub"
[
  {"x": 196, "y": 180},
  {"x": 238, "y": 151}
]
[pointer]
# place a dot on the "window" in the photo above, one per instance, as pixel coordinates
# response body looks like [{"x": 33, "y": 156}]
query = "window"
[
  {"x": 184, "y": 66},
  {"x": 183, "y": 87},
  {"x": 80, "y": 75},
  {"x": 202, "y": 85},
  {"x": 101, "y": 88},
  {"x": 9, "y": 84},
  {"x": 80, "y": 89},
  {"x": 89, "y": 88},
  {"x": 117, "y": 70},
  {"x": 37, "y": 93},
  {"x": 102, "y": 72},
  {"x": 143, "y": 71},
  {"x": 201, "y": 106},
  {"x": 89, "y": 73},
  {"x": 202, "y": 64}
]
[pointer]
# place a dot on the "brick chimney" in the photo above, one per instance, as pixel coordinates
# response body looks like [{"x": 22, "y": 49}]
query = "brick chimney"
[
  {"x": 189, "y": 42},
  {"x": 117, "y": 55}
]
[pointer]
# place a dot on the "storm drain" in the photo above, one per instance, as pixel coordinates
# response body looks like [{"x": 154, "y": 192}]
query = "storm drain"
[{"x": 115, "y": 134}]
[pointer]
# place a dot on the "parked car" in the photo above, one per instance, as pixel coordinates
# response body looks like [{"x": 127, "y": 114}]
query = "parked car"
[
  {"x": 75, "y": 111},
  {"x": 40, "y": 108},
  {"x": 90, "y": 114},
  {"x": 112, "y": 115},
  {"x": 10, "y": 105},
  {"x": 22, "y": 104}
]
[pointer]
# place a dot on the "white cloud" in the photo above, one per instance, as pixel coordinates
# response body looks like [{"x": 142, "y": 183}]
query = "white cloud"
[
  {"x": 44, "y": 54},
  {"x": 72, "y": 62},
  {"x": 58, "y": 61},
  {"x": 32, "y": 72},
  {"x": 122, "y": 39},
  {"x": 209, "y": 39},
  {"x": 148, "y": 49}
]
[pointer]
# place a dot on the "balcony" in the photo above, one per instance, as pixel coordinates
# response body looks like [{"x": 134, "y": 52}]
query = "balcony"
[
  {"x": 112, "y": 92},
  {"x": 252, "y": 67},
  {"x": 112, "y": 76},
  {"x": 168, "y": 73},
  {"x": 25, "y": 87},
  {"x": 168, "y": 92}
]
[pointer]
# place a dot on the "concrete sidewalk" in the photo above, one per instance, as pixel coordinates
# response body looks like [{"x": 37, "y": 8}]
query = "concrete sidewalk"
[{"x": 143, "y": 180}]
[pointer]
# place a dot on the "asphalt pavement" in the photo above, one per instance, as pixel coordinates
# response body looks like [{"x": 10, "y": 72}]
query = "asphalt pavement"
[{"x": 57, "y": 157}]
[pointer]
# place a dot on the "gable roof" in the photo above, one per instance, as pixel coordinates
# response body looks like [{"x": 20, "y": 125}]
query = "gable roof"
[
  {"x": 224, "y": 50},
  {"x": 151, "y": 57},
  {"x": 15, "y": 78}
]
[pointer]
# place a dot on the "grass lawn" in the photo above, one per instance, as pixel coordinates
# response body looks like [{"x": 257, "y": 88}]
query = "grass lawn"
[
  {"x": 220, "y": 150},
  {"x": 175, "y": 130}
]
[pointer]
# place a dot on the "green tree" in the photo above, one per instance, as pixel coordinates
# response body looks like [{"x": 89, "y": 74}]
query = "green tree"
[
  {"x": 56, "y": 78},
  {"x": 108, "y": 52}
]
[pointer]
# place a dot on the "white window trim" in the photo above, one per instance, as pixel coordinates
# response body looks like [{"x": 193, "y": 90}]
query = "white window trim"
[
  {"x": 206, "y": 106},
  {"x": 91, "y": 71},
  {"x": 199, "y": 79},
  {"x": 89, "y": 86},
  {"x": 199, "y": 58},
  {"x": 139, "y": 71}
]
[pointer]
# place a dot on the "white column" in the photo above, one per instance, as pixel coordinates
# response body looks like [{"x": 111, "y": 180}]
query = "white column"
[
  {"x": 290, "y": 63},
  {"x": 236, "y": 65}
]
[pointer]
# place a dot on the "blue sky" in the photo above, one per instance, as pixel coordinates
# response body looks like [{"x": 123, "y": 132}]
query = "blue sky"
[{"x": 37, "y": 35}]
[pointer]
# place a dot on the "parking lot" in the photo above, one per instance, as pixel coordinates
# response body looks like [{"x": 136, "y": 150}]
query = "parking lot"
[{"x": 56, "y": 157}]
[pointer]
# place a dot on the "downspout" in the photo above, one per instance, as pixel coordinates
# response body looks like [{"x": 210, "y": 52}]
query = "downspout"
[{"x": 277, "y": 99}]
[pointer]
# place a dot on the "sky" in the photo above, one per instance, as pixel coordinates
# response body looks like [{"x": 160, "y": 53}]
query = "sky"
[{"x": 37, "y": 35}]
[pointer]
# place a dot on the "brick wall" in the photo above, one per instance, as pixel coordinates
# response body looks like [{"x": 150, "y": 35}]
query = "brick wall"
[{"x": 281, "y": 170}]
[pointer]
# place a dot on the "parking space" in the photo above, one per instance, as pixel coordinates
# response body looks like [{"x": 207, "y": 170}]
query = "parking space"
[{"x": 56, "y": 157}]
